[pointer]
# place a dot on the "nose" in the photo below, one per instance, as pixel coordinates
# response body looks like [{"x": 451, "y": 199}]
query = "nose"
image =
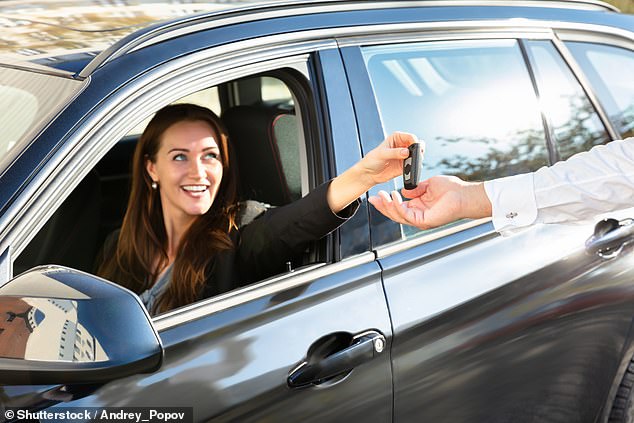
[{"x": 197, "y": 169}]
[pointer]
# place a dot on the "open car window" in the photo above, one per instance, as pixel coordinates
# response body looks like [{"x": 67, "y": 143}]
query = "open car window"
[{"x": 265, "y": 131}]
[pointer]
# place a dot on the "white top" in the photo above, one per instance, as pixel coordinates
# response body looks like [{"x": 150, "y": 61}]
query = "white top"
[{"x": 589, "y": 183}]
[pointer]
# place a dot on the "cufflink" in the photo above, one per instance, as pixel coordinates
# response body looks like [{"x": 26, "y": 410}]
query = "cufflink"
[{"x": 511, "y": 215}]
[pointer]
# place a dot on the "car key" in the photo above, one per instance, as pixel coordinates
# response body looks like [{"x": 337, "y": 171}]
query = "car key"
[{"x": 411, "y": 166}]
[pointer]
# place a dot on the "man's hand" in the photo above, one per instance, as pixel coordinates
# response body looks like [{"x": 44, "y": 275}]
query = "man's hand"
[{"x": 434, "y": 202}]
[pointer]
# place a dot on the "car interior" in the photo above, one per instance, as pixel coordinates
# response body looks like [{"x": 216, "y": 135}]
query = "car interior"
[{"x": 265, "y": 131}]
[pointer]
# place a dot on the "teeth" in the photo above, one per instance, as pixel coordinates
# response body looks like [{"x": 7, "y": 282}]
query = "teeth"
[{"x": 195, "y": 188}]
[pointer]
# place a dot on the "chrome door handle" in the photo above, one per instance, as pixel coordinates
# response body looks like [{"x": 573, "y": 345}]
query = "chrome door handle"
[
  {"x": 364, "y": 347},
  {"x": 610, "y": 235}
]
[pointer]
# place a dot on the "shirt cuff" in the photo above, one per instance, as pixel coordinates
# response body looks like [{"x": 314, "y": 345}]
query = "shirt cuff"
[{"x": 512, "y": 201}]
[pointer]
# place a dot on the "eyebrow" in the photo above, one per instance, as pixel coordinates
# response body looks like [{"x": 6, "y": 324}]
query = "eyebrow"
[{"x": 187, "y": 151}]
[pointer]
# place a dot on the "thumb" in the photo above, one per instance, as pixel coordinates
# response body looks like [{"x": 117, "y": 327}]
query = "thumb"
[
  {"x": 394, "y": 153},
  {"x": 420, "y": 189}
]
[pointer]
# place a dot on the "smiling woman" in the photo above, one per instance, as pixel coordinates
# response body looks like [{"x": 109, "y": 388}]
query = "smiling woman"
[{"x": 184, "y": 147}]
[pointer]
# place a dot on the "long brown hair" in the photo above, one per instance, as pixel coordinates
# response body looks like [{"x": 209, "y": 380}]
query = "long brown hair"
[{"x": 143, "y": 239}]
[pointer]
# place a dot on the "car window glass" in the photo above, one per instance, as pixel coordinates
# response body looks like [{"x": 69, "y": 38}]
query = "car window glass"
[
  {"x": 471, "y": 101},
  {"x": 27, "y": 101},
  {"x": 610, "y": 71},
  {"x": 575, "y": 125},
  {"x": 275, "y": 91}
]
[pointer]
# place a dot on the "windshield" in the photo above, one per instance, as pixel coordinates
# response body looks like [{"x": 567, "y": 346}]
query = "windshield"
[{"x": 28, "y": 100}]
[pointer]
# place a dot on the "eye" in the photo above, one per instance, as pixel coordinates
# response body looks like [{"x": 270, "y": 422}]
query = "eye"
[
  {"x": 179, "y": 157},
  {"x": 211, "y": 155}
]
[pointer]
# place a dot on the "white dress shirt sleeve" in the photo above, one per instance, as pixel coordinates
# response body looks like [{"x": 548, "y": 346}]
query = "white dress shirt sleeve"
[{"x": 590, "y": 183}]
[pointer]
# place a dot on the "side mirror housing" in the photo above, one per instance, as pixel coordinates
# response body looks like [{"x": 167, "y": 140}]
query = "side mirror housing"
[{"x": 63, "y": 326}]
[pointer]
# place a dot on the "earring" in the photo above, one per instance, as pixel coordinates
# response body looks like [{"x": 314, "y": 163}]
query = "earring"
[{"x": 154, "y": 185}]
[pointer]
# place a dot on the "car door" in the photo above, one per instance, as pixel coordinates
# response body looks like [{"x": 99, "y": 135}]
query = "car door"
[
  {"x": 528, "y": 327},
  {"x": 308, "y": 345}
]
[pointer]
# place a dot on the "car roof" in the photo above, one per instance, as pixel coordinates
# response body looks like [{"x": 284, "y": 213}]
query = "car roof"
[{"x": 76, "y": 37}]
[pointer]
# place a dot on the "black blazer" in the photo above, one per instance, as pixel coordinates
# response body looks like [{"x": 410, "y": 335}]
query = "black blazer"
[
  {"x": 266, "y": 240},
  {"x": 275, "y": 237}
]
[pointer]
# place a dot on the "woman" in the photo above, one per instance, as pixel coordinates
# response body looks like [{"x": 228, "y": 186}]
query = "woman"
[{"x": 180, "y": 240}]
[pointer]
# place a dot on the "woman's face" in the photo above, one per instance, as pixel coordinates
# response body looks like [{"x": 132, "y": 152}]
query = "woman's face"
[{"x": 187, "y": 169}]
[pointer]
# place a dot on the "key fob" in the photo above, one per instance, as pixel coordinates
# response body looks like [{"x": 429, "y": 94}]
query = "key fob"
[{"x": 411, "y": 167}]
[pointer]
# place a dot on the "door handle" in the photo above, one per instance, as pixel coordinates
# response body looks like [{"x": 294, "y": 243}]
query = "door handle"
[
  {"x": 610, "y": 235},
  {"x": 314, "y": 370}
]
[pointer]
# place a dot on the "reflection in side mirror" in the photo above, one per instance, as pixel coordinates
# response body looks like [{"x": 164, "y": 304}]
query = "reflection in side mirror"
[
  {"x": 46, "y": 329},
  {"x": 62, "y": 326}
]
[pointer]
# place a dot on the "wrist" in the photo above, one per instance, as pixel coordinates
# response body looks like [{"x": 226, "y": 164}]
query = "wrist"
[
  {"x": 476, "y": 202},
  {"x": 348, "y": 186},
  {"x": 359, "y": 175}
]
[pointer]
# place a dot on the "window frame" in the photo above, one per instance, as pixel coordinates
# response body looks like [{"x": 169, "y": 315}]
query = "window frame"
[
  {"x": 96, "y": 137},
  {"x": 618, "y": 39},
  {"x": 129, "y": 105},
  {"x": 531, "y": 62}
]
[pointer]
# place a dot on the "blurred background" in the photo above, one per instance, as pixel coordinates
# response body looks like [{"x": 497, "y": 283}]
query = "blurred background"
[{"x": 626, "y": 6}]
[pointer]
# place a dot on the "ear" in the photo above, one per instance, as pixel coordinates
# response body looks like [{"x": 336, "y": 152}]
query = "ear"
[{"x": 150, "y": 166}]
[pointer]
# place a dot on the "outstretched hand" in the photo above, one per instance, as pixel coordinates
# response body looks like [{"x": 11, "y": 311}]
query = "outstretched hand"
[
  {"x": 385, "y": 162},
  {"x": 434, "y": 202}
]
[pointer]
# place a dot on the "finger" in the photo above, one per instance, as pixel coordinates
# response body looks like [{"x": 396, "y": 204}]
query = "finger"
[
  {"x": 393, "y": 153},
  {"x": 420, "y": 190},
  {"x": 405, "y": 138},
  {"x": 400, "y": 209},
  {"x": 406, "y": 214},
  {"x": 384, "y": 204},
  {"x": 388, "y": 205},
  {"x": 377, "y": 202},
  {"x": 401, "y": 212},
  {"x": 401, "y": 139},
  {"x": 396, "y": 198},
  {"x": 385, "y": 197}
]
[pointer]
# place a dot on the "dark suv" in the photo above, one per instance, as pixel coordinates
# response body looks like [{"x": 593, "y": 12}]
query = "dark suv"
[{"x": 377, "y": 322}]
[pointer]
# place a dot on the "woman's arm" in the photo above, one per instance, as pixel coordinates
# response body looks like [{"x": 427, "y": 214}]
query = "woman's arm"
[{"x": 283, "y": 233}]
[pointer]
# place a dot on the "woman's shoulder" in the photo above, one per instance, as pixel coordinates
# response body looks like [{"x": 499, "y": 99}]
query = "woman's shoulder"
[{"x": 250, "y": 210}]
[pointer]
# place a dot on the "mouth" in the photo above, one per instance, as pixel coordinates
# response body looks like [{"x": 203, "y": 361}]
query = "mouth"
[{"x": 195, "y": 190}]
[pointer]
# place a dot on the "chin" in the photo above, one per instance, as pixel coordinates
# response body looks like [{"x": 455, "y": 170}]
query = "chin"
[{"x": 198, "y": 212}]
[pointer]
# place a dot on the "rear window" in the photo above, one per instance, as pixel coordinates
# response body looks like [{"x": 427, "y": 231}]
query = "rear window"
[{"x": 28, "y": 100}]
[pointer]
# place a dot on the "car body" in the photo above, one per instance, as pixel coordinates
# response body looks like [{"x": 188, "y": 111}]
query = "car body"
[{"x": 457, "y": 324}]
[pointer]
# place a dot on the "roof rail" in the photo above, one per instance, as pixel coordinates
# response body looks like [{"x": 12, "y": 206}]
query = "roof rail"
[{"x": 251, "y": 11}]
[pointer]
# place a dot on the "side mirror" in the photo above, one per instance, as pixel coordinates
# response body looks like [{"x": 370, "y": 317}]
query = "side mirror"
[{"x": 63, "y": 326}]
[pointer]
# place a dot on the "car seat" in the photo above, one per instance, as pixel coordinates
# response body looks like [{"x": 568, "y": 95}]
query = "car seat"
[{"x": 266, "y": 144}]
